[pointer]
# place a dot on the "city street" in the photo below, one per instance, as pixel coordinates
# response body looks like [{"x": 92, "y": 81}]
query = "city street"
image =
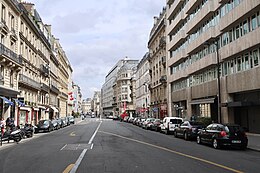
[{"x": 112, "y": 146}]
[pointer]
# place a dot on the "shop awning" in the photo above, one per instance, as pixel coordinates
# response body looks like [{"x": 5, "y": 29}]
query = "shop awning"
[
  {"x": 7, "y": 101},
  {"x": 54, "y": 109},
  {"x": 36, "y": 109},
  {"x": 202, "y": 101},
  {"x": 25, "y": 109},
  {"x": 19, "y": 102},
  {"x": 42, "y": 107}
]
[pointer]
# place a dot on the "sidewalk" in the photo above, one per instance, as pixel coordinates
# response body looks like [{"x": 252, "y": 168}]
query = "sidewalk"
[{"x": 253, "y": 141}]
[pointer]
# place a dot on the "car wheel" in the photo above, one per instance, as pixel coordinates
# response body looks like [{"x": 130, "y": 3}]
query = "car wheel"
[
  {"x": 186, "y": 136},
  {"x": 215, "y": 144},
  {"x": 198, "y": 140},
  {"x": 175, "y": 134}
]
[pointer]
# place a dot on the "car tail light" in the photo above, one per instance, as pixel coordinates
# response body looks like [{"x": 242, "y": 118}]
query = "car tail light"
[{"x": 223, "y": 133}]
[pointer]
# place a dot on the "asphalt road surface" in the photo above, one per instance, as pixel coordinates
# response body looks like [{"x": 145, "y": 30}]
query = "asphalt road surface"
[{"x": 94, "y": 146}]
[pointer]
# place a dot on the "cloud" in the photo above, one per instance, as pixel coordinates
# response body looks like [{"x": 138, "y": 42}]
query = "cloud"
[{"x": 96, "y": 34}]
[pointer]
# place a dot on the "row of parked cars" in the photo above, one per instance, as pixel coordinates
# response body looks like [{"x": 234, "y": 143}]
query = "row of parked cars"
[
  {"x": 215, "y": 134},
  {"x": 55, "y": 124}
]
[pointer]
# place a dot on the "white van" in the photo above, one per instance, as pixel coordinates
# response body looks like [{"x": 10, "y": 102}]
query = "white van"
[{"x": 170, "y": 123}]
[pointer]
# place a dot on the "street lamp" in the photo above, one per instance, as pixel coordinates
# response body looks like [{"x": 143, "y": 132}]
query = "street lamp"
[{"x": 215, "y": 42}]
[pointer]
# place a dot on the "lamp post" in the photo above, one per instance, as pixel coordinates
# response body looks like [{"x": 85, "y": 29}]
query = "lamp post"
[{"x": 215, "y": 42}]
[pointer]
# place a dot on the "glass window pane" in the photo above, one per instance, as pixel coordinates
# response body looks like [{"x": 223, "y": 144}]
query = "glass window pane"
[
  {"x": 256, "y": 57},
  {"x": 254, "y": 22}
]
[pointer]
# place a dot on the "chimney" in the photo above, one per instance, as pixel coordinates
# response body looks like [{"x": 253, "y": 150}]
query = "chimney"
[{"x": 155, "y": 19}]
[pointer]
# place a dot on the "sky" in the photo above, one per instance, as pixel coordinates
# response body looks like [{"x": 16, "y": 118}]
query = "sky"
[{"x": 96, "y": 34}]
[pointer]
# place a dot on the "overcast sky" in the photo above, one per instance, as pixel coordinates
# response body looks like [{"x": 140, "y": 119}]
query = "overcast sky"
[{"x": 95, "y": 34}]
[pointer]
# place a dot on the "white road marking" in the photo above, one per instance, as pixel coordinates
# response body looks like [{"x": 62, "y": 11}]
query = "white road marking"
[{"x": 75, "y": 167}]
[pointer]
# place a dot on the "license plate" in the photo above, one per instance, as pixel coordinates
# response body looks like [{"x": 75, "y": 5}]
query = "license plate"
[{"x": 236, "y": 141}]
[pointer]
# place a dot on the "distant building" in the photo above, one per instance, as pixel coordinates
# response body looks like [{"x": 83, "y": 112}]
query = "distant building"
[
  {"x": 86, "y": 106},
  {"x": 158, "y": 71},
  {"x": 142, "y": 92},
  {"x": 107, "y": 91},
  {"x": 96, "y": 103}
]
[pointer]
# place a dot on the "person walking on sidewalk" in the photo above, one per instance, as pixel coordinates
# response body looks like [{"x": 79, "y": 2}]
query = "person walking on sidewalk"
[{"x": 2, "y": 126}]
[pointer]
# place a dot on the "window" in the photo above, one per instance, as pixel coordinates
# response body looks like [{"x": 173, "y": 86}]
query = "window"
[
  {"x": 237, "y": 32},
  {"x": 11, "y": 79},
  {"x": 254, "y": 22},
  {"x": 255, "y": 58},
  {"x": 3, "y": 13},
  {"x": 239, "y": 64},
  {"x": 247, "y": 65},
  {"x": 245, "y": 27}
]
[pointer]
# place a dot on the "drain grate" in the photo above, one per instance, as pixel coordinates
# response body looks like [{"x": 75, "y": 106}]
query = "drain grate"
[{"x": 76, "y": 146}]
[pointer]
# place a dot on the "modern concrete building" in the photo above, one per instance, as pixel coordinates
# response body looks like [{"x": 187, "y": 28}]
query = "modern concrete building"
[
  {"x": 142, "y": 87},
  {"x": 158, "y": 70},
  {"x": 213, "y": 50}
]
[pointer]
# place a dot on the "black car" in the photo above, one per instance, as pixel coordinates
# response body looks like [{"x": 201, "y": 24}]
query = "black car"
[
  {"x": 219, "y": 135},
  {"x": 188, "y": 129},
  {"x": 45, "y": 126}
]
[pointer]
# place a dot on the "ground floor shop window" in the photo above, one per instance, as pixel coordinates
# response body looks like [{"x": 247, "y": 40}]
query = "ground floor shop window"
[{"x": 22, "y": 117}]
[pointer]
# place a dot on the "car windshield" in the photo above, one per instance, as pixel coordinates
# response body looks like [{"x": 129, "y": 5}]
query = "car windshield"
[
  {"x": 234, "y": 129},
  {"x": 176, "y": 121},
  {"x": 43, "y": 122}
]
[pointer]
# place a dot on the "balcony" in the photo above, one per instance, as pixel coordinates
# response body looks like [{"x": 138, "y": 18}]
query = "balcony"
[
  {"x": 174, "y": 8},
  {"x": 162, "y": 42},
  {"x": 44, "y": 70},
  {"x": 163, "y": 79},
  {"x": 55, "y": 89},
  {"x": 29, "y": 82},
  {"x": 44, "y": 87},
  {"x": 7, "y": 53}
]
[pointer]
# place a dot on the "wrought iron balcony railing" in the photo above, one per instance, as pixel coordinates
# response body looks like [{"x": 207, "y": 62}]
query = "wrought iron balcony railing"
[
  {"x": 44, "y": 70},
  {"x": 10, "y": 54},
  {"x": 55, "y": 89},
  {"x": 29, "y": 82},
  {"x": 45, "y": 87}
]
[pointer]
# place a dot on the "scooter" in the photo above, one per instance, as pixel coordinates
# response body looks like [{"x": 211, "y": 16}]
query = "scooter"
[
  {"x": 27, "y": 131},
  {"x": 14, "y": 134}
]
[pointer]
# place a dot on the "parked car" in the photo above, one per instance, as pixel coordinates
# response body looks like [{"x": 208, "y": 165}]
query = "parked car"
[
  {"x": 55, "y": 124},
  {"x": 219, "y": 135},
  {"x": 71, "y": 119},
  {"x": 147, "y": 123},
  {"x": 44, "y": 126},
  {"x": 155, "y": 125},
  {"x": 170, "y": 123},
  {"x": 64, "y": 121},
  {"x": 61, "y": 124},
  {"x": 188, "y": 130}
]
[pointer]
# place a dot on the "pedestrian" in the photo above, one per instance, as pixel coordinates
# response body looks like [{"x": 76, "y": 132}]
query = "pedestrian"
[
  {"x": 7, "y": 123},
  {"x": 2, "y": 125}
]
